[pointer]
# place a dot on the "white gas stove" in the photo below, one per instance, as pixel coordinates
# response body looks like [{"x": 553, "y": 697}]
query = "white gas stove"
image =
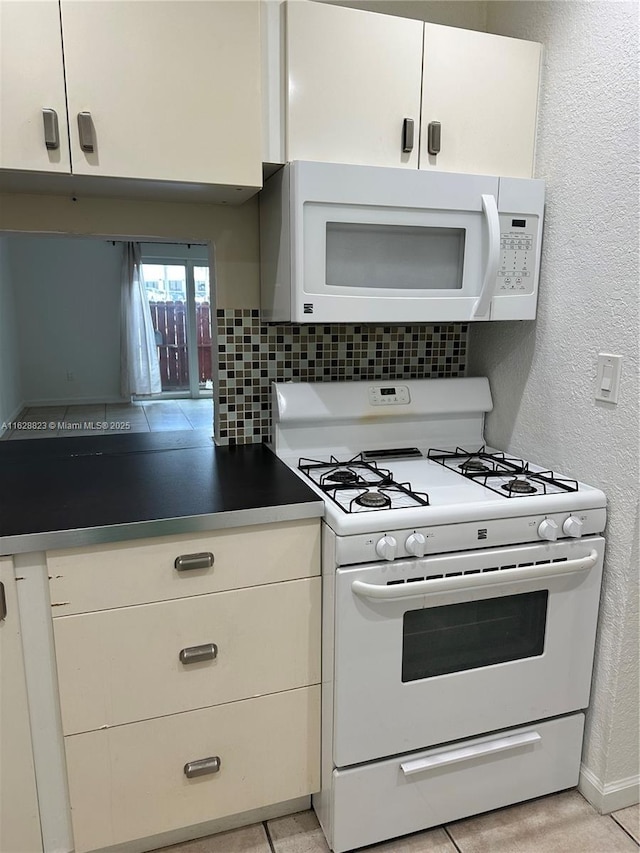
[{"x": 460, "y": 601}]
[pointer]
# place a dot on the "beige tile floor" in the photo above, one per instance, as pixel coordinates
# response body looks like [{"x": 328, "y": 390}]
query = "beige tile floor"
[
  {"x": 559, "y": 823},
  {"x": 114, "y": 418}
]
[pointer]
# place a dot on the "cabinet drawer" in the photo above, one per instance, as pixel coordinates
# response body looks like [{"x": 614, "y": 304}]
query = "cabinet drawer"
[
  {"x": 128, "y": 573},
  {"x": 382, "y": 800},
  {"x": 120, "y": 666},
  {"x": 128, "y": 782}
]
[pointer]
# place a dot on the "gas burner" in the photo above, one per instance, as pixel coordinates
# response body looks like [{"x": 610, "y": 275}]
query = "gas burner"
[
  {"x": 520, "y": 486},
  {"x": 473, "y": 466},
  {"x": 373, "y": 500},
  {"x": 341, "y": 475}
]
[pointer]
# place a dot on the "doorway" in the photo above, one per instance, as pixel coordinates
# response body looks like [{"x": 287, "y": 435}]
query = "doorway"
[{"x": 177, "y": 283}]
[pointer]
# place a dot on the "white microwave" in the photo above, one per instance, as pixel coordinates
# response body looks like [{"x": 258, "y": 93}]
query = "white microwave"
[{"x": 364, "y": 244}]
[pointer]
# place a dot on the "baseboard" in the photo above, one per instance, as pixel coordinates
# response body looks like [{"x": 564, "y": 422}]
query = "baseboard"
[
  {"x": 611, "y": 797},
  {"x": 77, "y": 401},
  {"x": 13, "y": 416},
  {"x": 189, "y": 833}
]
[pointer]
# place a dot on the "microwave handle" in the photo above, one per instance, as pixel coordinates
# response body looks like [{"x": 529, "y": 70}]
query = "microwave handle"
[{"x": 483, "y": 302}]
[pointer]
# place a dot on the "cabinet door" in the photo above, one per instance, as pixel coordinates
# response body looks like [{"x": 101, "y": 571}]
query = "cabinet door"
[
  {"x": 483, "y": 89},
  {"x": 19, "y": 821},
  {"x": 353, "y": 77},
  {"x": 172, "y": 89},
  {"x": 31, "y": 80}
]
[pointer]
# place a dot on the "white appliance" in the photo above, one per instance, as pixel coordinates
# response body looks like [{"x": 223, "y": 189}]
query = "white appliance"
[
  {"x": 460, "y": 601},
  {"x": 364, "y": 244}
]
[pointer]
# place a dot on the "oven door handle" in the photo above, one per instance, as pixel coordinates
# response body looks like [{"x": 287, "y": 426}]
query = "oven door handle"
[
  {"x": 467, "y": 753},
  {"x": 382, "y": 592}
]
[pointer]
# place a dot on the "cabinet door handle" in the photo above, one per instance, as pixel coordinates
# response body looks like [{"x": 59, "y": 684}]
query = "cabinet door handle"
[
  {"x": 433, "y": 137},
  {"x": 51, "y": 131},
  {"x": 202, "y": 767},
  {"x": 195, "y": 654},
  {"x": 3, "y": 603},
  {"x": 407, "y": 135},
  {"x": 186, "y": 562},
  {"x": 85, "y": 132}
]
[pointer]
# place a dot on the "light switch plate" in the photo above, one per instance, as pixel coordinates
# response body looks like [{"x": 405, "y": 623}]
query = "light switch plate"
[{"x": 608, "y": 377}]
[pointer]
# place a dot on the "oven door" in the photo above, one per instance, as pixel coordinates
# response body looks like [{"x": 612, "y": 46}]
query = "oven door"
[{"x": 432, "y": 650}]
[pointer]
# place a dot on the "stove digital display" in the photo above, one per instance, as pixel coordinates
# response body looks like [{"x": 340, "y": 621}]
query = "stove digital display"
[{"x": 387, "y": 391}]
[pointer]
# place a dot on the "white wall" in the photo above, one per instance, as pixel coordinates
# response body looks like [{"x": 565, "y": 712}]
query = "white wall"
[
  {"x": 543, "y": 373},
  {"x": 67, "y": 299},
  {"x": 11, "y": 397}
]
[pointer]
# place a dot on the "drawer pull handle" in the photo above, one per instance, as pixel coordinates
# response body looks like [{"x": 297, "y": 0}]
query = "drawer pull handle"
[
  {"x": 3, "y": 603},
  {"x": 203, "y": 767},
  {"x": 195, "y": 654},
  {"x": 187, "y": 562},
  {"x": 466, "y": 753}
]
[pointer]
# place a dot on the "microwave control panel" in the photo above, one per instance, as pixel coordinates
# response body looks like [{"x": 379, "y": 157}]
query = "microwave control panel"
[{"x": 518, "y": 240}]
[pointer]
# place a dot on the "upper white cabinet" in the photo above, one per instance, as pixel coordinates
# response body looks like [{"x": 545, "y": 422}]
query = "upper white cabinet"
[
  {"x": 353, "y": 79},
  {"x": 162, "y": 91},
  {"x": 32, "y": 82},
  {"x": 483, "y": 90},
  {"x": 345, "y": 85}
]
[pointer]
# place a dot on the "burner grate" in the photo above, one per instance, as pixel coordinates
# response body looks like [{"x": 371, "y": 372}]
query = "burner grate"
[
  {"x": 358, "y": 485},
  {"x": 508, "y": 476}
]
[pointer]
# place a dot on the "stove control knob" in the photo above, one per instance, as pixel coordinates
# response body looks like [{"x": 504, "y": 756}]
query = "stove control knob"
[
  {"x": 386, "y": 547},
  {"x": 416, "y": 544},
  {"x": 572, "y": 527},
  {"x": 548, "y": 530}
]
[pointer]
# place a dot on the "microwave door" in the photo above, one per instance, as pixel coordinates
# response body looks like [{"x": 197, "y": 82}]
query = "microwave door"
[{"x": 386, "y": 265}]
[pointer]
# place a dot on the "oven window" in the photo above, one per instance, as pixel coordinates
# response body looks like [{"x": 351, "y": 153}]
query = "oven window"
[
  {"x": 455, "y": 637},
  {"x": 394, "y": 257}
]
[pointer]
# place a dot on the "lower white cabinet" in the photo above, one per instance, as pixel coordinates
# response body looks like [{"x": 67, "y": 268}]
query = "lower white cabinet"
[
  {"x": 130, "y": 781},
  {"x": 189, "y": 677},
  {"x": 19, "y": 820}
]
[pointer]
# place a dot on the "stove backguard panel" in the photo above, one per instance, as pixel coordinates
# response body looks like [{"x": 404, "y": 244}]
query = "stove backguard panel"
[{"x": 252, "y": 355}]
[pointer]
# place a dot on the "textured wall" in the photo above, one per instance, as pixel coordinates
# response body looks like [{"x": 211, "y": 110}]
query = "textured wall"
[{"x": 543, "y": 373}]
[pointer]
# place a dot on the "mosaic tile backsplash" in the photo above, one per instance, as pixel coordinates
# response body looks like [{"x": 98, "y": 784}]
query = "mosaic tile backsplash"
[{"x": 252, "y": 355}]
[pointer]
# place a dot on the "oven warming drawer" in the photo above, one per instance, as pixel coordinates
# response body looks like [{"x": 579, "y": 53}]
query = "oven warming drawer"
[{"x": 412, "y": 792}]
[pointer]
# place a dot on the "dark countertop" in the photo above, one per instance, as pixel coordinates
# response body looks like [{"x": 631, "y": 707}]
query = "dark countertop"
[{"x": 68, "y": 492}]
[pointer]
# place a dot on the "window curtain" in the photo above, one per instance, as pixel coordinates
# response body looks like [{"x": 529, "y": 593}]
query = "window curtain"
[{"x": 139, "y": 364}]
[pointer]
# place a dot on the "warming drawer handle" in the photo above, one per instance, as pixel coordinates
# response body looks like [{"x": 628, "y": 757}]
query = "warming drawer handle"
[
  {"x": 196, "y": 654},
  {"x": 382, "y": 592},
  {"x": 202, "y": 767},
  {"x": 467, "y": 753},
  {"x": 490, "y": 209},
  {"x": 187, "y": 562}
]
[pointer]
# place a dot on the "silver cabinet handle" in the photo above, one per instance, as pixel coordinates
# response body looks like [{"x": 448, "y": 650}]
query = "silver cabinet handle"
[
  {"x": 3, "y": 603},
  {"x": 407, "y": 135},
  {"x": 85, "y": 131},
  {"x": 202, "y": 767},
  {"x": 51, "y": 131},
  {"x": 186, "y": 562},
  {"x": 195, "y": 654},
  {"x": 433, "y": 137}
]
